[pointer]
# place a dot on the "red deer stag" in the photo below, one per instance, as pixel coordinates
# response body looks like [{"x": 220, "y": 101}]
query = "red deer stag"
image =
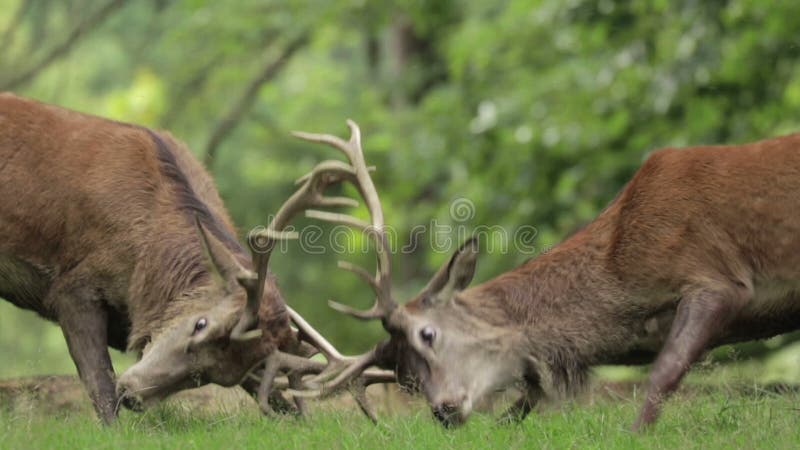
[
  {"x": 117, "y": 233},
  {"x": 701, "y": 248}
]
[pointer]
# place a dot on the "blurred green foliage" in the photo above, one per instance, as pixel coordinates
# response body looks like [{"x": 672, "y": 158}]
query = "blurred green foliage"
[{"x": 537, "y": 112}]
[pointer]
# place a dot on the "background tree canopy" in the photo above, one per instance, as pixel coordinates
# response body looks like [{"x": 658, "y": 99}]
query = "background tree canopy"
[{"x": 536, "y": 112}]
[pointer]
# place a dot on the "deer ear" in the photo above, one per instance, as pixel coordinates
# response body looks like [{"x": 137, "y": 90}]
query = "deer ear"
[
  {"x": 455, "y": 275},
  {"x": 220, "y": 261}
]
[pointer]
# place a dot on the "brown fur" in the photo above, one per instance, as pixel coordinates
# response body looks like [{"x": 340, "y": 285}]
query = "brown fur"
[
  {"x": 97, "y": 233},
  {"x": 702, "y": 247}
]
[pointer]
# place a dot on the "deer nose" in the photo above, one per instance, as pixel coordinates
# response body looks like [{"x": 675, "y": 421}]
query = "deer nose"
[
  {"x": 131, "y": 401},
  {"x": 448, "y": 414}
]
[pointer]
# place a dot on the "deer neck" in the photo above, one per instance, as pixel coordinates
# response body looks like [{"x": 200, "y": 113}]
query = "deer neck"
[{"x": 567, "y": 305}]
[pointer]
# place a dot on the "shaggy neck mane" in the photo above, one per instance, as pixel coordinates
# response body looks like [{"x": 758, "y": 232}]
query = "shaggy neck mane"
[
  {"x": 560, "y": 303},
  {"x": 186, "y": 199},
  {"x": 170, "y": 268}
]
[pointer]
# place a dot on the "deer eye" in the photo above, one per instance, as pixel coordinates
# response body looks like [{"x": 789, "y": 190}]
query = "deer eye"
[
  {"x": 201, "y": 323},
  {"x": 428, "y": 335}
]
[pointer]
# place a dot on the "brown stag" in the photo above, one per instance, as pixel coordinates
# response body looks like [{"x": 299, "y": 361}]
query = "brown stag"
[
  {"x": 701, "y": 248},
  {"x": 117, "y": 233}
]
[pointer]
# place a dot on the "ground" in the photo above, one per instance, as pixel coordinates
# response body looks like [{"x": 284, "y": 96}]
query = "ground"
[{"x": 711, "y": 410}]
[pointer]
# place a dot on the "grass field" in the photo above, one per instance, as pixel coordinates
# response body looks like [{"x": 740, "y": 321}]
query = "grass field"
[{"x": 699, "y": 417}]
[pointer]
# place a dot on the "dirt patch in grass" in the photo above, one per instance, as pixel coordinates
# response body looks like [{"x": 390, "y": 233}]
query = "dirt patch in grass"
[{"x": 60, "y": 394}]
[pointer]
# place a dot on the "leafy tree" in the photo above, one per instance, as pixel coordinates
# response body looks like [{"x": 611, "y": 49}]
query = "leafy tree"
[{"x": 536, "y": 112}]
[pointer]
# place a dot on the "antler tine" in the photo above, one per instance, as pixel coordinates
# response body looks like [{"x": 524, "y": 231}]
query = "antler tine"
[
  {"x": 362, "y": 273},
  {"x": 333, "y": 356},
  {"x": 349, "y": 148},
  {"x": 375, "y": 312},
  {"x": 327, "y": 383},
  {"x": 315, "y": 337},
  {"x": 343, "y": 219},
  {"x": 328, "y": 139}
]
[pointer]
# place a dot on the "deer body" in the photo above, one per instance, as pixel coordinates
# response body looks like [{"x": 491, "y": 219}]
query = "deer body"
[
  {"x": 719, "y": 218},
  {"x": 99, "y": 232},
  {"x": 701, "y": 248}
]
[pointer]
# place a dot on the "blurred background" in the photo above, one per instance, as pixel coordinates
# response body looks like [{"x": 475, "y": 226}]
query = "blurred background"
[{"x": 531, "y": 113}]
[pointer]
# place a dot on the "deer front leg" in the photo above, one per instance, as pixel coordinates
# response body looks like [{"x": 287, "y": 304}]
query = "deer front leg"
[
  {"x": 274, "y": 363},
  {"x": 701, "y": 317},
  {"x": 84, "y": 323},
  {"x": 276, "y": 401},
  {"x": 524, "y": 405}
]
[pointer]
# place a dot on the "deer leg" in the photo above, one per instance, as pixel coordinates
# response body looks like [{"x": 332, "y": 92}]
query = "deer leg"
[
  {"x": 274, "y": 363},
  {"x": 276, "y": 401},
  {"x": 523, "y": 406},
  {"x": 280, "y": 405},
  {"x": 296, "y": 382},
  {"x": 359, "y": 392},
  {"x": 84, "y": 323},
  {"x": 271, "y": 367},
  {"x": 700, "y": 318}
]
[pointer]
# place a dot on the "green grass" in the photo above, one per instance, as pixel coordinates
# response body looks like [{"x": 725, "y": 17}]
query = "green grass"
[{"x": 705, "y": 418}]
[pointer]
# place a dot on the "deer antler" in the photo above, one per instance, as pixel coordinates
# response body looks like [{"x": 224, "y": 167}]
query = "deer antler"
[
  {"x": 353, "y": 372},
  {"x": 375, "y": 229},
  {"x": 310, "y": 195}
]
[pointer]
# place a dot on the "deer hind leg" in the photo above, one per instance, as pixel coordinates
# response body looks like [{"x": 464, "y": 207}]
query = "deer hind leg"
[{"x": 701, "y": 318}]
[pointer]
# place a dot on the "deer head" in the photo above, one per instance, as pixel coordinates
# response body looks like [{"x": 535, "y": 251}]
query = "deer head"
[
  {"x": 222, "y": 339},
  {"x": 214, "y": 338}
]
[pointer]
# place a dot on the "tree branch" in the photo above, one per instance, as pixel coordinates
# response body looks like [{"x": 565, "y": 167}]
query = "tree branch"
[
  {"x": 8, "y": 35},
  {"x": 187, "y": 92},
  {"x": 62, "y": 49},
  {"x": 245, "y": 101}
]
